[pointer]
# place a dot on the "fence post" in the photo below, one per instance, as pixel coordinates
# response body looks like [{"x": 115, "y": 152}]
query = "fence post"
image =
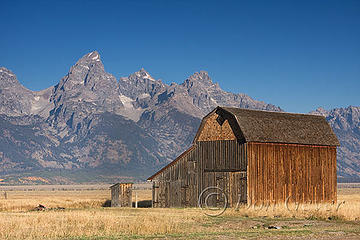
[{"x": 136, "y": 201}]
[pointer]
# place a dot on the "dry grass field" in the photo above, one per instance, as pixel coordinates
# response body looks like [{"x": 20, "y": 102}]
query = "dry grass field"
[{"x": 85, "y": 218}]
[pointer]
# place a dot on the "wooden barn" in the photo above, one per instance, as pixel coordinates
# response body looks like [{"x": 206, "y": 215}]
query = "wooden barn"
[{"x": 254, "y": 157}]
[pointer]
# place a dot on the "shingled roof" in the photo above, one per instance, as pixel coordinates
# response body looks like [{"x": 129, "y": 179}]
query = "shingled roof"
[{"x": 280, "y": 127}]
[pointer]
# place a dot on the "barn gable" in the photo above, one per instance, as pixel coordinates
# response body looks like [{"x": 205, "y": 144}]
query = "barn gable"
[
  {"x": 215, "y": 129},
  {"x": 219, "y": 126}
]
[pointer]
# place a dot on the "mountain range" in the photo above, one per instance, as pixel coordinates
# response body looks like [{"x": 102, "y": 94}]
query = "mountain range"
[{"x": 92, "y": 127}]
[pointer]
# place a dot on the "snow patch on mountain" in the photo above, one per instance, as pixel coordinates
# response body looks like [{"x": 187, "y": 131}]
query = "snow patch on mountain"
[{"x": 129, "y": 110}]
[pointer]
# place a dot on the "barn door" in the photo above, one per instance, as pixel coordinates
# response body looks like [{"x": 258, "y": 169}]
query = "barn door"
[
  {"x": 233, "y": 184},
  {"x": 188, "y": 186},
  {"x": 176, "y": 193},
  {"x": 238, "y": 188},
  {"x": 184, "y": 193},
  {"x": 220, "y": 184},
  {"x": 161, "y": 199}
]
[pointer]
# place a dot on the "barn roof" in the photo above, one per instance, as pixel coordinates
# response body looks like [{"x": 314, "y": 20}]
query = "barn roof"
[
  {"x": 280, "y": 127},
  {"x": 117, "y": 184}
]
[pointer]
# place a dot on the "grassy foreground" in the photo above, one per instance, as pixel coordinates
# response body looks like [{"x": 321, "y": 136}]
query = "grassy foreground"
[{"x": 84, "y": 218}]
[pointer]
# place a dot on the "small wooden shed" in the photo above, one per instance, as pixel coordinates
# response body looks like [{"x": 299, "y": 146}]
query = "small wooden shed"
[
  {"x": 121, "y": 195},
  {"x": 254, "y": 157}
]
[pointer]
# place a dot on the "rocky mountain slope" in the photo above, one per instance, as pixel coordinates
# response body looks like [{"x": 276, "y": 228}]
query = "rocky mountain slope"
[{"x": 93, "y": 127}]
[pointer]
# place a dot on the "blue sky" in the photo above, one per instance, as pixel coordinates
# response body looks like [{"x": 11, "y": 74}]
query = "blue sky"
[{"x": 295, "y": 54}]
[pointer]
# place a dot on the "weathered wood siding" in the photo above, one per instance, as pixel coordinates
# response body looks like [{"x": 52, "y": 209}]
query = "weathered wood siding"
[
  {"x": 121, "y": 195},
  {"x": 306, "y": 173},
  {"x": 233, "y": 184},
  {"x": 223, "y": 164},
  {"x": 213, "y": 131},
  {"x": 115, "y": 195},
  {"x": 210, "y": 163},
  {"x": 177, "y": 185},
  {"x": 223, "y": 156}
]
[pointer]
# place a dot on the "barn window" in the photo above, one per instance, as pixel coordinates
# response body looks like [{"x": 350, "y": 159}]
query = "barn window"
[{"x": 220, "y": 120}]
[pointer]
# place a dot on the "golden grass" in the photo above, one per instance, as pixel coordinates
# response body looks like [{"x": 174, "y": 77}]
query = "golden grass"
[
  {"x": 24, "y": 201},
  {"x": 302, "y": 211},
  {"x": 27, "y": 200},
  {"x": 347, "y": 208},
  {"x": 95, "y": 222},
  {"x": 84, "y": 217}
]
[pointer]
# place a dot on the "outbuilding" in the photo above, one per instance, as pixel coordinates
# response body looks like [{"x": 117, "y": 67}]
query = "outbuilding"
[
  {"x": 121, "y": 195},
  {"x": 254, "y": 157}
]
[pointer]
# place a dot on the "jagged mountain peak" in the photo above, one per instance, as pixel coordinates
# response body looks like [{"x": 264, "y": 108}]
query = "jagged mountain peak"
[
  {"x": 142, "y": 73},
  {"x": 140, "y": 83},
  {"x": 91, "y": 57},
  {"x": 201, "y": 73},
  {"x": 142, "y": 70},
  {"x": 87, "y": 89},
  {"x": 6, "y": 71},
  {"x": 207, "y": 95},
  {"x": 89, "y": 61},
  {"x": 319, "y": 111},
  {"x": 200, "y": 80},
  {"x": 200, "y": 77},
  {"x": 7, "y": 78},
  {"x": 88, "y": 72},
  {"x": 15, "y": 99},
  {"x": 345, "y": 117},
  {"x": 350, "y": 110},
  {"x": 353, "y": 109}
]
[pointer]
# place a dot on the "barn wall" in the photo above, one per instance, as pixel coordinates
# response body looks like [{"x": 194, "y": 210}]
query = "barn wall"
[
  {"x": 303, "y": 172},
  {"x": 233, "y": 184},
  {"x": 223, "y": 156},
  {"x": 177, "y": 185},
  {"x": 126, "y": 195},
  {"x": 115, "y": 196},
  {"x": 121, "y": 195},
  {"x": 223, "y": 164},
  {"x": 210, "y": 163}
]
